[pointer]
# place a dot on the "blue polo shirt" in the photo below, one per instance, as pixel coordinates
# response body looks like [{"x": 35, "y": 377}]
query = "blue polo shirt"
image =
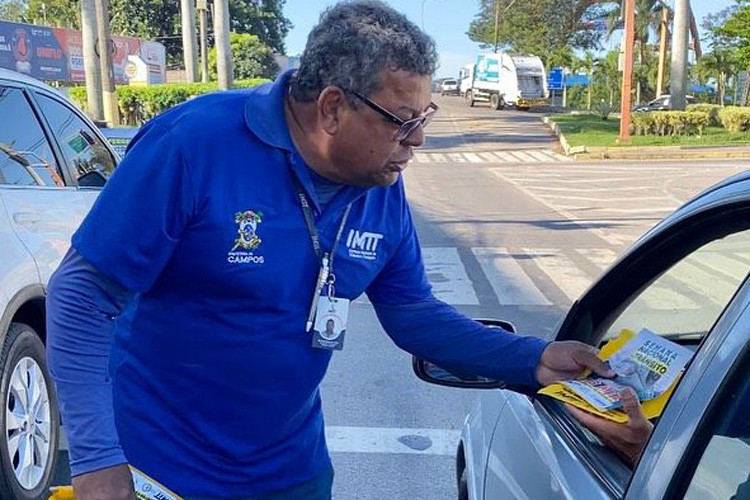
[{"x": 213, "y": 378}]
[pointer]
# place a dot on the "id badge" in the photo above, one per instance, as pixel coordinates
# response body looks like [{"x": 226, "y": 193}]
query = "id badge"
[
  {"x": 330, "y": 323},
  {"x": 147, "y": 488}
]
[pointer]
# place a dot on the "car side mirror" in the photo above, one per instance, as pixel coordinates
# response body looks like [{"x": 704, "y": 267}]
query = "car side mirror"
[
  {"x": 92, "y": 178},
  {"x": 434, "y": 374}
]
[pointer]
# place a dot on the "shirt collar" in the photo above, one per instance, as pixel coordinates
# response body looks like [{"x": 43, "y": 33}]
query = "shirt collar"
[{"x": 264, "y": 113}]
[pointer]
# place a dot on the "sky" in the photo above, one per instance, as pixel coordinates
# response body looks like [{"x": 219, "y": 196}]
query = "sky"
[{"x": 445, "y": 20}]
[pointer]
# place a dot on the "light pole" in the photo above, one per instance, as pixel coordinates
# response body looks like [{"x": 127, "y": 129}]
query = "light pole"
[{"x": 497, "y": 18}]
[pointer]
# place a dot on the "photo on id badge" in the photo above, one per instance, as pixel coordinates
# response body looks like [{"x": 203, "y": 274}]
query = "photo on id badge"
[{"x": 330, "y": 323}]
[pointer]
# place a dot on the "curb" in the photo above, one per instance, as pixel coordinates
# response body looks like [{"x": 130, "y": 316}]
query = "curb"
[{"x": 647, "y": 152}]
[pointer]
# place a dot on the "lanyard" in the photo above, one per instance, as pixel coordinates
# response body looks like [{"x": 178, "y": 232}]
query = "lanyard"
[{"x": 325, "y": 273}]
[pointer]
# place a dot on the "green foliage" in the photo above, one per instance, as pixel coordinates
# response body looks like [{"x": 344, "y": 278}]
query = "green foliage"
[
  {"x": 264, "y": 19},
  {"x": 13, "y": 10},
  {"x": 252, "y": 59},
  {"x": 735, "y": 119},
  {"x": 547, "y": 28},
  {"x": 604, "y": 109},
  {"x": 140, "y": 104},
  {"x": 672, "y": 123},
  {"x": 736, "y": 30},
  {"x": 58, "y": 13},
  {"x": 711, "y": 109}
]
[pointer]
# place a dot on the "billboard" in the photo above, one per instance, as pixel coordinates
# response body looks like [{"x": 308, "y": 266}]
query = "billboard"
[{"x": 57, "y": 53}]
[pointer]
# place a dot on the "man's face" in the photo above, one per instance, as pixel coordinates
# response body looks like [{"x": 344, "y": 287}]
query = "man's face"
[{"x": 364, "y": 149}]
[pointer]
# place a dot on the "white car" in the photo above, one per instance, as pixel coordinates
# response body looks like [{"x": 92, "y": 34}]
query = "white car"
[
  {"x": 449, "y": 87},
  {"x": 53, "y": 164},
  {"x": 687, "y": 280}
]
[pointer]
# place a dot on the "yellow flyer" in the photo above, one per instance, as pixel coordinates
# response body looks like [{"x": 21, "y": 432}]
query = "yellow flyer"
[{"x": 646, "y": 362}]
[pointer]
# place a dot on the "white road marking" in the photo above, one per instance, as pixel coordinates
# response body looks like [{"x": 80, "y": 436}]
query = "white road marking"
[
  {"x": 564, "y": 273},
  {"x": 488, "y": 156},
  {"x": 421, "y": 158},
  {"x": 506, "y": 157},
  {"x": 723, "y": 263},
  {"x": 600, "y": 257},
  {"x": 541, "y": 156},
  {"x": 510, "y": 282},
  {"x": 344, "y": 439},
  {"x": 629, "y": 199},
  {"x": 592, "y": 189},
  {"x": 472, "y": 158},
  {"x": 523, "y": 156},
  {"x": 703, "y": 284},
  {"x": 456, "y": 157},
  {"x": 448, "y": 277},
  {"x": 438, "y": 158}
]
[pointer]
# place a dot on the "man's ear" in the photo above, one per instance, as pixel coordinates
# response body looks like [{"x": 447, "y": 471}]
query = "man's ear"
[{"x": 331, "y": 106}]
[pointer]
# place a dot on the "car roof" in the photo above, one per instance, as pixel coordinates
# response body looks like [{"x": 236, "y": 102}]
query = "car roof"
[{"x": 8, "y": 75}]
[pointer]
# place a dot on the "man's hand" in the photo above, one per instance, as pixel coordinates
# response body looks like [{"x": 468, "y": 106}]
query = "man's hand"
[
  {"x": 627, "y": 439},
  {"x": 112, "y": 483},
  {"x": 569, "y": 359}
]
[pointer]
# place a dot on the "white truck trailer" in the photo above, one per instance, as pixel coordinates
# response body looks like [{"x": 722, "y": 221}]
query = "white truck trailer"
[{"x": 505, "y": 79}]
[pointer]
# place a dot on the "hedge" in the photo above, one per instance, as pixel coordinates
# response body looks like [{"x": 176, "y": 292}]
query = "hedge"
[
  {"x": 670, "y": 123},
  {"x": 711, "y": 109},
  {"x": 140, "y": 104},
  {"x": 735, "y": 119}
]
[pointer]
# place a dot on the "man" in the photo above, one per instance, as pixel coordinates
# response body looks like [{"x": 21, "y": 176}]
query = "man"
[{"x": 186, "y": 351}]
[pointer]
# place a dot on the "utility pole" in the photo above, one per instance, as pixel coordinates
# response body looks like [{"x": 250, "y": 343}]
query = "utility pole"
[
  {"x": 221, "y": 40},
  {"x": 189, "y": 49},
  {"x": 627, "y": 74},
  {"x": 663, "y": 34},
  {"x": 91, "y": 61},
  {"x": 678, "y": 78},
  {"x": 497, "y": 22},
  {"x": 203, "y": 15},
  {"x": 109, "y": 95}
]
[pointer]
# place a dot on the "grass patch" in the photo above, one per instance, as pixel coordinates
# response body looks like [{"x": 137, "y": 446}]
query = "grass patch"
[{"x": 592, "y": 131}]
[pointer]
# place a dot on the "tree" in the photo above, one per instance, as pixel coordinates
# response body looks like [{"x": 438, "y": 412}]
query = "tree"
[
  {"x": 542, "y": 27},
  {"x": 719, "y": 64},
  {"x": 263, "y": 18},
  {"x": 252, "y": 58},
  {"x": 13, "y": 10},
  {"x": 736, "y": 30},
  {"x": 59, "y": 13}
]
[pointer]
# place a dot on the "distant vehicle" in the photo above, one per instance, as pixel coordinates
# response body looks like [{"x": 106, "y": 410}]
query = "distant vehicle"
[
  {"x": 119, "y": 137},
  {"x": 687, "y": 280},
  {"x": 449, "y": 87},
  {"x": 505, "y": 79},
  {"x": 662, "y": 103},
  {"x": 466, "y": 77}
]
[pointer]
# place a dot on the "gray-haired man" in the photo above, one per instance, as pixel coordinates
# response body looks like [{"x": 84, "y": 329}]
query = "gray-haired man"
[{"x": 180, "y": 324}]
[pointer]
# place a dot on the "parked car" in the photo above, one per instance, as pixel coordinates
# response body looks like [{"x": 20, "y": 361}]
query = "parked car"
[
  {"x": 685, "y": 279},
  {"x": 449, "y": 87},
  {"x": 119, "y": 137},
  {"x": 53, "y": 164},
  {"x": 663, "y": 103}
]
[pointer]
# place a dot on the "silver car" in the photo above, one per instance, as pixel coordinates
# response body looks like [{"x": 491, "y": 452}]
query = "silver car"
[{"x": 686, "y": 279}]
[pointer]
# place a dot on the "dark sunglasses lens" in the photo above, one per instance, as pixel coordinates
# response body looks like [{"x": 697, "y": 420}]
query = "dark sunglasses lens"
[{"x": 408, "y": 128}]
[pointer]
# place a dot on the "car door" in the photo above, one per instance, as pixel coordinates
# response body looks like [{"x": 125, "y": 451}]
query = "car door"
[
  {"x": 38, "y": 204},
  {"x": 45, "y": 201},
  {"x": 680, "y": 282}
]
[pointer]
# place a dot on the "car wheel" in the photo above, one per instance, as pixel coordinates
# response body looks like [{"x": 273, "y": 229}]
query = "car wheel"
[
  {"x": 30, "y": 419},
  {"x": 463, "y": 487},
  {"x": 470, "y": 98}
]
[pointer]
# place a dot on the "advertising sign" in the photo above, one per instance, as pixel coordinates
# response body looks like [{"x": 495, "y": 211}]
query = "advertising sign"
[
  {"x": 555, "y": 79},
  {"x": 57, "y": 54}
]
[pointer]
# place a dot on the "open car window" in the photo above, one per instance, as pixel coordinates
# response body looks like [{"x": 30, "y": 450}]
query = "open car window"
[{"x": 677, "y": 285}]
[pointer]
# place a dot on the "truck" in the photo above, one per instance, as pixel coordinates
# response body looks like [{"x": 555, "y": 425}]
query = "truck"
[{"x": 505, "y": 80}]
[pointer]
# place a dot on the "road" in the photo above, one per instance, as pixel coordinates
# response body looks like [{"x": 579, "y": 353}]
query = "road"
[{"x": 509, "y": 229}]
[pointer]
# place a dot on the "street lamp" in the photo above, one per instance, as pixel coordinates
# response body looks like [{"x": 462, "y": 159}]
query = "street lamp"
[{"x": 497, "y": 18}]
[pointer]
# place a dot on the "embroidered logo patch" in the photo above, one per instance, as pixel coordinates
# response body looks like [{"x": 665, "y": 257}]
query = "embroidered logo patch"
[
  {"x": 247, "y": 238},
  {"x": 363, "y": 244}
]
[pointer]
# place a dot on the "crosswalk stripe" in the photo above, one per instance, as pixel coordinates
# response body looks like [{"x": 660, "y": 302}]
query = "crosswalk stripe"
[
  {"x": 473, "y": 158},
  {"x": 600, "y": 257},
  {"x": 540, "y": 156},
  {"x": 732, "y": 268},
  {"x": 391, "y": 440},
  {"x": 456, "y": 157},
  {"x": 448, "y": 277},
  {"x": 438, "y": 158},
  {"x": 702, "y": 283},
  {"x": 506, "y": 157},
  {"x": 421, "y": 158},
  {"x": 488, "y": 156},
  {"x": 510, "y": 282},
  {"x": 523, "y": 156},
  {"x": 564, "y": 273}
]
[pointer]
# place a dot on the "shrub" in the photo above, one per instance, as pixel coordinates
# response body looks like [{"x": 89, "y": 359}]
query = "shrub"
[
  {"x": 711, "y": 109},
  {"x": 735, "y": 119},
  {"x": 670, "y": 123},
  {"x": 140, "y": 104}
]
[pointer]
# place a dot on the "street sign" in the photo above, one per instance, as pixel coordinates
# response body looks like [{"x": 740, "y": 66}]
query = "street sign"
[
  {"x": 555, "y": 79},
  {"x": 577, "y": 80}
]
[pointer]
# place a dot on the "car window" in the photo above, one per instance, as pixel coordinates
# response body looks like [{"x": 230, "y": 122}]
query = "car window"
[
  {"x": 82, "y": 148},
  {"x": 720, "y": 467},
  {"x": 26, "y": 158},
  {"x": 684, "y": 301}
]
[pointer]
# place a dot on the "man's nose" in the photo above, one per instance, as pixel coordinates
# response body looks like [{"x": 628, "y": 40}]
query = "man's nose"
[{"x": 416, "y": 138}]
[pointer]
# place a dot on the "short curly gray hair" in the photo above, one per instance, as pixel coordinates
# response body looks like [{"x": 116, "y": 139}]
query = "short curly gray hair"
[{"x": 353, "y": 43}]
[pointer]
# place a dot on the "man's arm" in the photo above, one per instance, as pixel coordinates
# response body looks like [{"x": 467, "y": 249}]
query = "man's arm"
[{"x": 82, "y": 305}]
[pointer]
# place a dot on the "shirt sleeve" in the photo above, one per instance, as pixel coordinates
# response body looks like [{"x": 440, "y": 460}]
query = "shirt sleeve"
[
  {"x": 435, "y": 331},
  {"x": 138, "y": 219},
  {"x": 82, "y": 305}
]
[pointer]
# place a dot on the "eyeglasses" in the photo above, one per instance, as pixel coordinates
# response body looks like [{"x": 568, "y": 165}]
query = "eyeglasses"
[{"x": 405, "y": 127}]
